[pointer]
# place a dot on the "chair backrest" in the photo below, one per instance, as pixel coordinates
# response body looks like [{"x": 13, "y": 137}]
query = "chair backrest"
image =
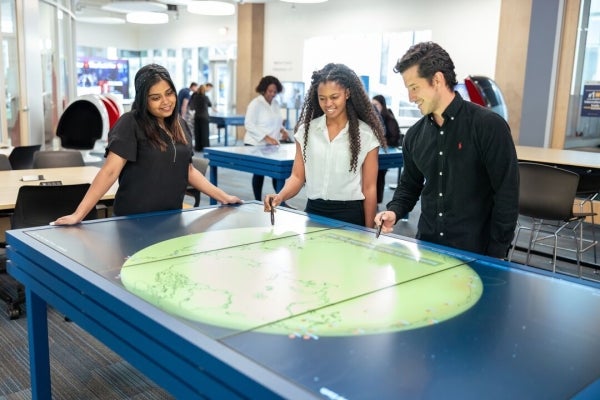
[
  {"x": 57, "y": 159},
  {"x": 21, "y": 157},
  {"x": 4, "y": 163},
  {"x": 546, "y": 192},
  {"x": 39, "y": 205},
  {"x": 201, "y": 164}
]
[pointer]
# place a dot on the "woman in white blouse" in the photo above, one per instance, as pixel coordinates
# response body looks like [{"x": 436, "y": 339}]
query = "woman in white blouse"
[
  {"x": 338, "y": 136},
  {"x": 264, "y": 124}
]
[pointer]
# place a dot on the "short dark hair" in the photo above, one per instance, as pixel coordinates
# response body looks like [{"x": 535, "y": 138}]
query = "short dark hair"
[
  {"x": 266, "y": 81},
  {"x": 430, "y": 58}
]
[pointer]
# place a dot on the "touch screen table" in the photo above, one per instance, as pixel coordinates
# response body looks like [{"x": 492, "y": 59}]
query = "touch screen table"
[{"x": 215, "y": 303}]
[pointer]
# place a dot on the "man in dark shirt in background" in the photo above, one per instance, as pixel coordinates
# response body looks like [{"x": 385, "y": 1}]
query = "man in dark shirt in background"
[{"x": 459, "y": 158}]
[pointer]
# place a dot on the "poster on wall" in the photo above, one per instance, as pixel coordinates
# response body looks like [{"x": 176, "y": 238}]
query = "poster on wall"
[
  {"x": 101, "y": 76},
  {"x": 590, "y": 104}
]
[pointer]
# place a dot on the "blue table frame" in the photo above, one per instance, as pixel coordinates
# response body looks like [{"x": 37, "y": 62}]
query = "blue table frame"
[
  {"x": 530, "y": 334},
  {"x": 226, "y": 121},
  {"x": 273, "y": 161}
]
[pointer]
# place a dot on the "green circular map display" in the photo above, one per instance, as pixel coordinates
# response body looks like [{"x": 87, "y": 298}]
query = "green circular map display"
[{"x": 316, "y": 282}]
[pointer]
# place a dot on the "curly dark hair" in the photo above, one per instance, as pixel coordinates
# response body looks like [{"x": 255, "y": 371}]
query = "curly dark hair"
[
  {"x": 148, "y": 76},
  {"x": 264, "y": 83},
  {"x": 358, "y": 107},
  {"x": 430, "y": 58}
]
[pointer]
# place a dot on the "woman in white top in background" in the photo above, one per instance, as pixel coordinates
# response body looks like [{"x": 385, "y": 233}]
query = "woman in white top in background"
[
  {"x": 264, "y": 124},
  {"x": 338, "y": 136}
]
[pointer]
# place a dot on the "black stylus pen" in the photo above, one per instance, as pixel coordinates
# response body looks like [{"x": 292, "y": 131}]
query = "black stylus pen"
[
  {"x": 378, "y": 232},
  {"x": 272, "y": 211}
]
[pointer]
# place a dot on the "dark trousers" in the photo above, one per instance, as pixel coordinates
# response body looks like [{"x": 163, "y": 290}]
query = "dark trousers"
[
  {"x": 257, "y": 185},
  {"x": 347, "y": 211},
  {"x": 201, "y": 133},
  {"x": 380, "y": 184}
]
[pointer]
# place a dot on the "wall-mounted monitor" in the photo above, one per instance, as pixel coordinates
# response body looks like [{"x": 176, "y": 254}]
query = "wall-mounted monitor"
[{"x": 102, "y": 76}]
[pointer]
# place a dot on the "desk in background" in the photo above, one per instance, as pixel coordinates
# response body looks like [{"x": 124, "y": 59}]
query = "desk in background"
[
  {"x": 10, "y": 181},
  {"x": 5, "y": 149},
  {"x": 519, "y": 337},
  {"x": 565, "y": 157},
  {"x": 225, "y": 121},
  {"x": 273, "y": 161}
]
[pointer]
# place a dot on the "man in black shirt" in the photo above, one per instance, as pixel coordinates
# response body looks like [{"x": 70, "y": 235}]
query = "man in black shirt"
[{"x": 459, "y": 158}]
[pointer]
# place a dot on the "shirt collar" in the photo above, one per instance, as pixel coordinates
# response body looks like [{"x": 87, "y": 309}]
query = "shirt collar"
[{"x": 453, "y": 108}]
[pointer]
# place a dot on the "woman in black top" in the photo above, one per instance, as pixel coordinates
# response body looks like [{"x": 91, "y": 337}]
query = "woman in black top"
[
  {"x": 150, "y": 153},
  {"x": 200, "y": 103},
  {"x": 393, "y": 137}
]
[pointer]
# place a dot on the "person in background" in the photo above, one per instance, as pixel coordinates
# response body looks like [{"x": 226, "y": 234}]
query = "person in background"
[
  {"x": 209, "y": 87},
  {"x": 183, "y": 98},
  {"x": 459, "y": 158},
  {"x": 264, "y": 123},
  {"x": 393, "y": 137},
  {"x": 337, "y": 137},
  {"x": 200, "y": 103},
  {"x": 149, "y": 153}
]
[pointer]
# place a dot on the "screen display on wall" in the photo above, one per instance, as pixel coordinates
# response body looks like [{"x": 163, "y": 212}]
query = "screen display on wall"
[{"x": 101, "y": 76}]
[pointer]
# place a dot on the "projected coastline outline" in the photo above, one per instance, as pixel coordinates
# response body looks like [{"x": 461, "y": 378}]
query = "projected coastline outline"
[{"x": 321, "y": 282}]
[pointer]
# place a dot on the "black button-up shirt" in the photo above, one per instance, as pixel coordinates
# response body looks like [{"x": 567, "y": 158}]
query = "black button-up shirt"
[{"x": 466, "y": 173}]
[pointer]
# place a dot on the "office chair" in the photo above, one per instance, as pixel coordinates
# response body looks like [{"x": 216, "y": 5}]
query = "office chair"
[
  {"x": 201, "y": 164},
  {"x": 21, "y": 157},
  {"x": 587, "y": 192},
  {"x": 546, "y": 197},
  {"x": 57, "y": 159},
  {"x": 38, "y": 206},
  {"x": 5, "y": 163}
]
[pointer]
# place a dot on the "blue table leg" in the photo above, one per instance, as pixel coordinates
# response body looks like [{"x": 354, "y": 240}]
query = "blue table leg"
[
  {"x": 213, "y": 180},
  {"x": 39, "y": 358}
]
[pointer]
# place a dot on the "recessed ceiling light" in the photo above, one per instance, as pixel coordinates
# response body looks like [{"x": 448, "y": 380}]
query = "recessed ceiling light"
[
  {"x": 132, "y": 6},
  {"x": 146, "y": 17},
  {"x": 209, "y": 7}
]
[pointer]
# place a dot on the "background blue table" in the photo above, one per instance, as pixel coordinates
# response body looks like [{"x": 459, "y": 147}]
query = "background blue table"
[
  {"x": 273, "y": 161},
  {"x": 529, "y": 335},
  {"x": 225, "y": 121}
]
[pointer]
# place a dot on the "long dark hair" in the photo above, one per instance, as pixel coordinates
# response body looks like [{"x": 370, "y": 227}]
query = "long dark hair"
[
  {"x": 148, "y": 76},
  {"x": 358, "y": 107}
]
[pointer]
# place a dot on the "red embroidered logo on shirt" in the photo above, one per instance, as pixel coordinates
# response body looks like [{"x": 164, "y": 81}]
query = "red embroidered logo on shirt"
[{"x": 460, "y": 145}]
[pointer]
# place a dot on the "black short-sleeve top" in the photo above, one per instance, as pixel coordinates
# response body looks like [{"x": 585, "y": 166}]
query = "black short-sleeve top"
[{"x": 151, "y": 180}]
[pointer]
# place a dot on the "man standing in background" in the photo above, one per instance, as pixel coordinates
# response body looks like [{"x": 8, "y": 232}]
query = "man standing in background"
[{"x": 183, "y": 98}]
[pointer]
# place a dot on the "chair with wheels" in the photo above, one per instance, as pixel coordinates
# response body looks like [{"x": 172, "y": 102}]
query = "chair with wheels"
[
  {"x": 36, "y": 206},
  {"x": 21, "y": 157},
  {"x": 57, "y": 159},
  {"x": 201, "y": 164},
  {"x": 547, "y": 195}
]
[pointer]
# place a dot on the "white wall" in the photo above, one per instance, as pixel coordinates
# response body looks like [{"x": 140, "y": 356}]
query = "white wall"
[{"x": 467, "y": 29}]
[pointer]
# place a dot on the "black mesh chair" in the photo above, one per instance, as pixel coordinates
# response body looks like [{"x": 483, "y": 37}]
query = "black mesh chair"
[
  {"x": 37, "y": 206},
  {"x": 21, "y": 157},
  {"x": 201, "y": 164},
  {"x": 546, "y": 198},
  {"x": 57, "y": 159}
]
